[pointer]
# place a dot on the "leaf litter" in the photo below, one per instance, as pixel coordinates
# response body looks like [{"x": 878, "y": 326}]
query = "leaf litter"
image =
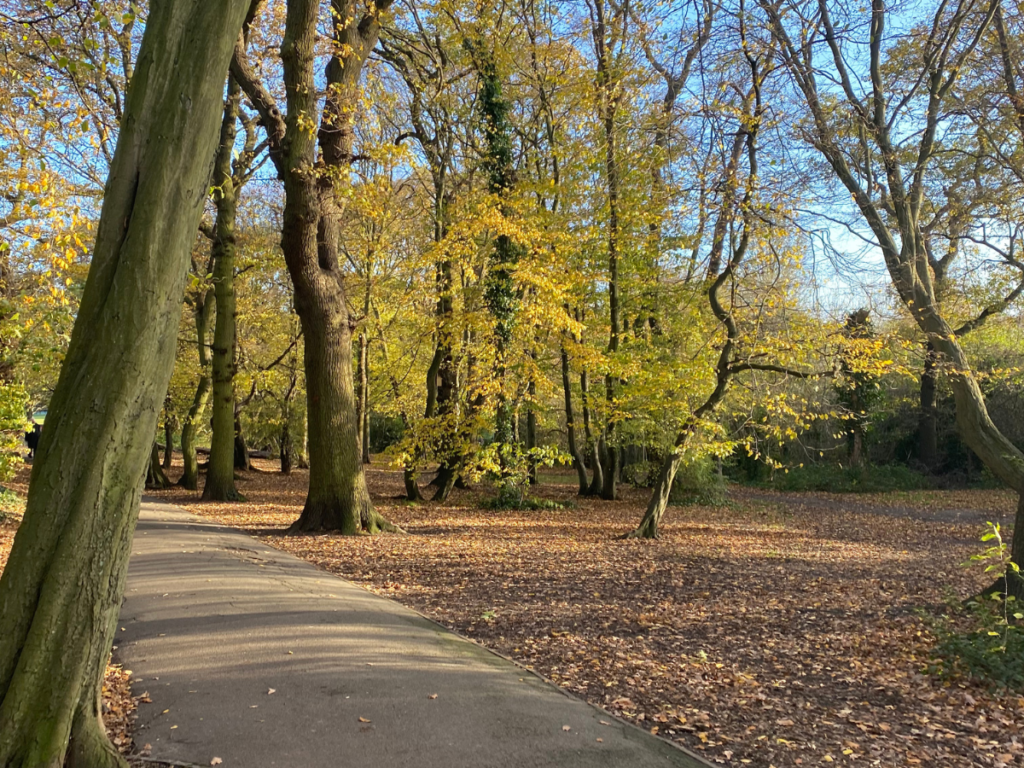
[{"x": 779, "y": 631}]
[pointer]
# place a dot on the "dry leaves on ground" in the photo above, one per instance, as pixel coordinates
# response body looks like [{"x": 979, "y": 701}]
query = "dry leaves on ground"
[{"x": 783, "y": 632}]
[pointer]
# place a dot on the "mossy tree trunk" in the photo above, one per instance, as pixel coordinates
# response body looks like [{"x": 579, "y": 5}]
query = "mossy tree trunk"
[
  {"x": 220, "y": 473},
  {"x": 190, "y": 424},
  {"x": 337, "y": 498},
  {"x": 61, "y": 590}
]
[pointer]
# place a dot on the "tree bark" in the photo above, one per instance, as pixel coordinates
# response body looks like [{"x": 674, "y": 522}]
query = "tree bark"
[
  {"x": 649, "y": 524},
  {"x": 190, "y": 426},
  {"x": 61, "y": 590},
  {"x": 364, "y": 385},
  {"x": 241, "y": 447},
  {"x": 220, "y": 474},
  {"x": 928, "y": 428},
  {"x": 337, "y": 498},
  {"x": 570, "y": 426},
  {"x": 155, "y": 477},
  {"x": 286, "y": 449},
  {"x": 595, "y": 445},
  {"x": 168, "y": 441}
]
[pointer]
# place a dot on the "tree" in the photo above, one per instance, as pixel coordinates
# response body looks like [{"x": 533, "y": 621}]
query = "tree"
[
  {"x": 202, "y": 304},
  {"x": 61, "y": 590},
  {"x": 898, "y": 116},
  {"x": 220, "y": 473},
  {"x": 337, "y": 498}
]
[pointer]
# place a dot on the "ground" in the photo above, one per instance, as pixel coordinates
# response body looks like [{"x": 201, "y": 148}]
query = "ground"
[{"x": 779, "y": 629}]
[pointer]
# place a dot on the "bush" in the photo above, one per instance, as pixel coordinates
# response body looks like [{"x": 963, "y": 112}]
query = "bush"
[
  {"x": 868, "y": 479},
  {"x": 698, "y": 482},
  {"x": 990, "y": 651},
  {"x": 641, "y": 474},
  {"x": 385, "y": 431}
]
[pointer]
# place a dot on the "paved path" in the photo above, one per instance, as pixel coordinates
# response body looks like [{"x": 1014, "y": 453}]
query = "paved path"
[{"x": 255, "y": 657}]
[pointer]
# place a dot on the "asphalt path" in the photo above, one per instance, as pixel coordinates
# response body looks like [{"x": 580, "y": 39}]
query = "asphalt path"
[{"x": 249, "y": 655}]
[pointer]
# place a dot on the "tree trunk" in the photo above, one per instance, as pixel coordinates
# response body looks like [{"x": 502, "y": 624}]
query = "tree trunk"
[
  {"x": 570, "y": 426},
  {"x": 1015, "y": 580},
  {"x": 220, "y": 474},
  {"x": 241, "y": 447},
  {"x": 928, "y": 428},
  {"x": 363, "y": 404},
  {"x": 595, "y": 445},
  {"x": 610, "y": 96},
  {"x": 155, "y": 477},
  {"x": 337, "y": 498},
  {"x": 531, "y": 431},
  {"x": 190, "y": 426},
  {"x": 287, "y": 449},
  {"x": 648, "y": 528},
  {"x": 61, "y": 590},
  {"x": 168, "y": 441},
  {"x": 856, "y": 444}
]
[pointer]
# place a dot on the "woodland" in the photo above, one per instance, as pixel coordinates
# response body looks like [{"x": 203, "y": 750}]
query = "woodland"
[{"x": 442, "y": 293}]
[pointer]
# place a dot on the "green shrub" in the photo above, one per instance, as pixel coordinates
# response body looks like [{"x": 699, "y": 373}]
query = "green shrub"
[
  {"x": 991, "y": 650},
  {"x": 698, "y": 482},
  {"x": 867, "y": 479}
]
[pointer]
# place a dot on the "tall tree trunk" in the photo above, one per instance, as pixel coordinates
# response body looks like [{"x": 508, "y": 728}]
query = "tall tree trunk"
[
  {"x": 594, "y": 444},
  {"x": 658, "y": 503},
  {"x": 608, "y": 32},
  {"x": 976, "y": 428},
  {"x": 928, "y": 427},
  {"x": 241, "y": 447},
  {"x": 570, "y": 425},
  {"x": 168, "y": 441},
  {"x": 61, "y": 590},
  {"x": 286, "y": 448},
  {"x": 338, "y": 498},
  {"x": 1015, "y": 581},
  {"x": 220, "y": 474},
  {"x": 610, "y": 463},
  {"x": 363, "y": 405},
  {"x": 531, "y": 425},
  {"x": 190, "y": 426},
  {"x": 856, "y": 444}
]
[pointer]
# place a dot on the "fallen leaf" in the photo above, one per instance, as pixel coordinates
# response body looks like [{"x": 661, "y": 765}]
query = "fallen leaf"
[
  {"x": 364, "y": 720},
  {"x": 216, "y": 761}
]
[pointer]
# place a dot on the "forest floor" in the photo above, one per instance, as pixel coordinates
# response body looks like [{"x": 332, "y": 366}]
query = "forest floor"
[
  {"x": 777, "y": 630},
  {"x": 119, "y": 706}
]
